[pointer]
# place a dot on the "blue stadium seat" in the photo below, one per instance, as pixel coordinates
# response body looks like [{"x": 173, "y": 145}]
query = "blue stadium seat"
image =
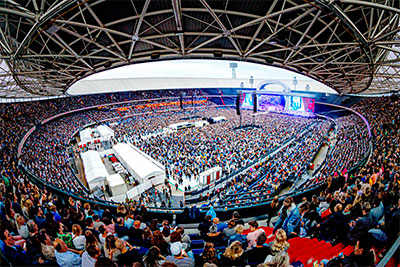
[
  {"x": 2, "y": 245},
  {"x": 194, "y": 236},
  {"x": 197, "y": 243},
  {"x": 143, "y": 250},
  {"x": 197, "y": 251}
]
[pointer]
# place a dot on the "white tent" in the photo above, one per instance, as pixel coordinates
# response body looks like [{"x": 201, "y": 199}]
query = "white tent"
[
  {"x": 105, "y": 132},
  {"x": 210, "y": 176},
  {"x": 95, "y": 171},
  {"x": 140, "y": 165},
  {"x": 86, "y": 136},
  {"x": 117, "y": 184}
]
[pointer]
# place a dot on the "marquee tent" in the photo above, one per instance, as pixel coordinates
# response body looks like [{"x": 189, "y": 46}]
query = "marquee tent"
[
  {"x": 140, "y": 165},
  {"x": 86, "y": 136},
  {"x": 95, "y": 171},
  {"x": 117, "y": 184},
  {"x": 105, "y": 132}
]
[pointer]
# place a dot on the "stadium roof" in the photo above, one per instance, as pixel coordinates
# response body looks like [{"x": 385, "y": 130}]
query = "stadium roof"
[{"x": 350, "y": 45}]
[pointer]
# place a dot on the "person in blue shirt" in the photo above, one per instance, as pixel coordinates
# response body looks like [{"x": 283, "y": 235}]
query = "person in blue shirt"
[
  {"x": 16, "y": 254},
  {"x": 238, "y": 236},
  {"x": 40, "y": 219},
  {"x": 66, "y": 257}
]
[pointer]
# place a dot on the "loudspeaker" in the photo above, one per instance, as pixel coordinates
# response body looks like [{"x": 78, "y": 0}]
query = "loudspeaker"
[
  {"x": 155, "y": 56},
  {"x": 254, "y": 102},
  {"x": 218, "y": 54},
  {"x": 238, "y": 104},
  {"x": 394, "y": 98}
]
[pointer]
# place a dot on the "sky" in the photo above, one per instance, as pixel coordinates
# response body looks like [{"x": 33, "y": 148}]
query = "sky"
[
  {"x": 197, "y": 68},
  {"x": 190, "y": 68}
]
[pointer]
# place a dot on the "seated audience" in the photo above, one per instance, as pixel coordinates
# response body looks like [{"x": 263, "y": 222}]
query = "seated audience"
[{"x": 179, "y": 256}]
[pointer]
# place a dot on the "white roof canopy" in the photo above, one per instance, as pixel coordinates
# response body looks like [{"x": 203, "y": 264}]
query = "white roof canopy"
[
  {"x": 105, "y": 131},
  {"x": 94, "y": 168},
  {"x": 115, "y": 180},
  {"x": 90, "y": 86},
  {"x": 140, "y": 165},
  {"x": 86, "y": 136}
]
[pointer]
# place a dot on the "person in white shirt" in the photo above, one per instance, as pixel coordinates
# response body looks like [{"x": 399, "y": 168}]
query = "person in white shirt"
[
  {"x": 21, "y": 226},
  {"x": 78, "y": 239}
]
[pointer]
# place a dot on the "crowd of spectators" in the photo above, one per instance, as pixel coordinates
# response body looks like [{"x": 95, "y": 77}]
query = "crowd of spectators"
[
  {"x": 45, "y": 152},
  {"x": 37, "y": 227},
  {"x": 351, "y": 146},
  {"x": 266, "y": 178},
  {"x": 188, "y": 153}
]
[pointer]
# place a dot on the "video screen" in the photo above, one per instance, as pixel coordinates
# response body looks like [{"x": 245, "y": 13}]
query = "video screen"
[
  {"x": 271, "y": 103},
  {"x": 247, "y": 102},
  {"x": 278, "y": 103},
  {"x": 301, "y": 104}
]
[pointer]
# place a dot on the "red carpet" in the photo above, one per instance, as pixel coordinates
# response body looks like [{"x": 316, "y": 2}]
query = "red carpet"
[{"x": 303, "y": 249}]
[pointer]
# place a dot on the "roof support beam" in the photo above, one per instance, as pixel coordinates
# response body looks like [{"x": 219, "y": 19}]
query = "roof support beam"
[
  {"x": 135, "y": 36},
  {"x": 371, "y": 4},
  {"x": 283, "y": 27},
  {"x": 90, "y": 41},
  {"x": 260, "y": 26},
  {"x": 224, "y": 29},
  {"x": 176, "y": 4},
  {"x": 296, "y": 47},
  {"x": 72, "y": 51},
  {"x": 102, "y": 25}
]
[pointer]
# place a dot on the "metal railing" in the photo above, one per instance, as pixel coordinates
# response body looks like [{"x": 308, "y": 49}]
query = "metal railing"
[{"x": 383, "y": 262}]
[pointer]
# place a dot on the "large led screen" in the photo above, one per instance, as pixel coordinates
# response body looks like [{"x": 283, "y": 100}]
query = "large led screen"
[
  {"x": 247, "y": 101},
  {"x": 301, "y": 104},
  {"x": 271, "y": 103}
]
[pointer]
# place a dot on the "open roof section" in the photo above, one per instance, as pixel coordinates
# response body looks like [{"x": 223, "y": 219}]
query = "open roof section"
[
  {"x": 349, "y": 45},
  {"x": 191, "y": 74}
]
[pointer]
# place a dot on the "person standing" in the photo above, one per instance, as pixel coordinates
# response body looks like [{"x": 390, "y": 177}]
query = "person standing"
[{"x": 273, "y": 208}]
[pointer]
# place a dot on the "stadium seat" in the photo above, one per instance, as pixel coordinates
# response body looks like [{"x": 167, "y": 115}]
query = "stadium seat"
[{"x": 198, "y": 243}]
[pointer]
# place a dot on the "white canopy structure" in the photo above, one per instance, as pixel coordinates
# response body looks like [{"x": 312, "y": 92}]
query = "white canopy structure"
[
  {"x": 117, "y": 184},
  {"x": 218, "y": 119},
  {"x": 95, "y": 171},
  {"x": 105, "y": 132},
  {"x": 86, "y": 136},
  {"x": 140, "y": 165},
  {"x": 210, "y": 176}
]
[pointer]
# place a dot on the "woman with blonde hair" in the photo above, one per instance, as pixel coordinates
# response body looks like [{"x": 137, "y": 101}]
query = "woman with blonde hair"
[
  {"x": 279, "y": 260},
  {"x": 238, "y": 236},
  {"x": 110, "y": 248},
  {"x": 279, "y": 244},
  {"x": 233, "y": 255},
  {"x": 78, "y": 239},
  {"x": 86, "y": 208},
  {"x": 26, "y": 208},
  {"x": 121, "y": 210}
]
